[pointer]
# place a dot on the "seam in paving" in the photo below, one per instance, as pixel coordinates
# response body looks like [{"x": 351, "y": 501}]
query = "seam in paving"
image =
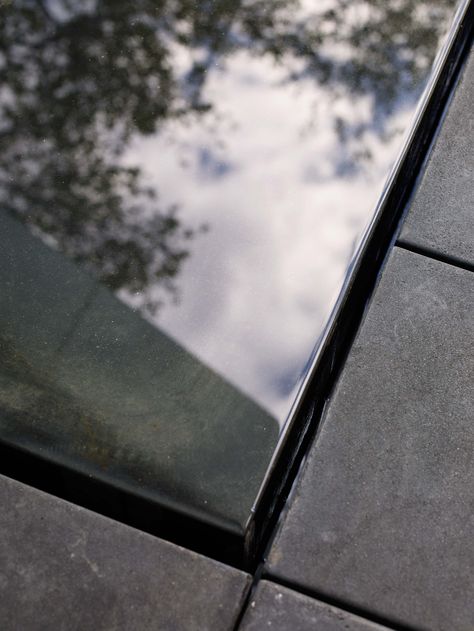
[
  {"x": 248, "y": 596},
  {"x": 360, "y": 612},
  {"x": 399, "y": 208},
  {"x": 364, "y": 278},
  {"x": 435, "y": 255}
]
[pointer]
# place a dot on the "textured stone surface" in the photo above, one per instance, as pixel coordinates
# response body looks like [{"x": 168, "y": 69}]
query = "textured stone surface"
[
  {"x": 441, "y": 216},
  {"x": 65, "y": 568},
  {"x": 281, "y": 609},
  {"x": 383, "y": 516}
]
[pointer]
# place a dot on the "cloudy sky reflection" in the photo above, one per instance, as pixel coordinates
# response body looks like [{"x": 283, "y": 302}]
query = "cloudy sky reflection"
[
  {"x": 285, "y": 200},
  {"x": 212, "y": 163}
]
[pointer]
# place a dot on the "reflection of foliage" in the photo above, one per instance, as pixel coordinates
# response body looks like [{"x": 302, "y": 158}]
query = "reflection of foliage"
[
  {"x": 79, "y": 79},
  {"x": 380, "y": 49},
  {"x": 70, "y": 102}
]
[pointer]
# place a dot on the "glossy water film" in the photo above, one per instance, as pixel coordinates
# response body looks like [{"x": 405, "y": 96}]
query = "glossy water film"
[{"x": 182, "y": 185}]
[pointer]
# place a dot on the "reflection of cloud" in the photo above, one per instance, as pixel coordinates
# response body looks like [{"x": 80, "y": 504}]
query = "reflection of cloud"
[
  {"x": 259, "y": 286},
  {"x": 210, "y": 165}
]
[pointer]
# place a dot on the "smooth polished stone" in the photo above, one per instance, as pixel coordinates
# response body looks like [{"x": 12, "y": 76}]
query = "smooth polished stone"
[
  {"x": 441, "y": 216},
  {"x": 281, "y": 609},
  {"x": 191, "y": 187},
  {"x": 383, "y": 514},
  {"x": 65, "y": 568},
  {"x": 86, "y": 382}
]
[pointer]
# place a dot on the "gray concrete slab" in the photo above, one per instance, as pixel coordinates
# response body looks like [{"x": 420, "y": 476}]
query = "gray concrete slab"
[
  {"x": 383, "y": 514},
  {"x": 281, "y": 609},
  {"x": 441, "y": 216},
  {"x": 65, "y": 568}
]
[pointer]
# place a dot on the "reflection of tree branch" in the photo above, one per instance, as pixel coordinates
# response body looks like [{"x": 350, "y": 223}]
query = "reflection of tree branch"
[
  {"x": 81, "y": 81},
  {"x": 7, "y": 133},
  {"x": 46, "y": 12}
]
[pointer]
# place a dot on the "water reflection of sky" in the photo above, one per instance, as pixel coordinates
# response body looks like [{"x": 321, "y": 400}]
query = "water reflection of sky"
[
  {"x": 273, "y": 124},
  {"x": 285, "y": 201},
  {"x": 260, "y": 134}
]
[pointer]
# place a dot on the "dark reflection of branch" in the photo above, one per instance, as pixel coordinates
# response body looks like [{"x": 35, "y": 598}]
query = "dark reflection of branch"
[
  {"x": 383, "y": 50},
  {"x": 79, "y": 79}
]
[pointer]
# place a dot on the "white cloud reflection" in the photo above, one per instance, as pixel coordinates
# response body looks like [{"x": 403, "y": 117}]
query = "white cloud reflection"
[{"x": 284, "y": 206}]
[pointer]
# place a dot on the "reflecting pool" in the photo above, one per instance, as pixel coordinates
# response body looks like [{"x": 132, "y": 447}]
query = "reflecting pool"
[{"x": 182, "y": 188}]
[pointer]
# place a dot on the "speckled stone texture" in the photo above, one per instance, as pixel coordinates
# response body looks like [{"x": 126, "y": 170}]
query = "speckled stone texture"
[
  {"x": 383, "y": 515},
  {"x": 281, "y": 609},
  {"x": 65, "y": 568},
  {"x": 441, "y": 216}
]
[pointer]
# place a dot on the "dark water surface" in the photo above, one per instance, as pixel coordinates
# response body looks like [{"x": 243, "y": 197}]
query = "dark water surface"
[{"x": 182, "y": 187}]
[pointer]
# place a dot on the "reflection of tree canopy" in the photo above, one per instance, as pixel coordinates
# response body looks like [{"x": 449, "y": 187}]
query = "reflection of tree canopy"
[{"x": 78, "y": 79}]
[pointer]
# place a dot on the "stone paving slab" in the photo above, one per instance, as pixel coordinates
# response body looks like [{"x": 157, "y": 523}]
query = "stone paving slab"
[
  {"x": 281, "y": 609},
  {"x": 383, "y": 515},
  {"x": 441, "y": 217},
  {"x": 65, "y": 568}
]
